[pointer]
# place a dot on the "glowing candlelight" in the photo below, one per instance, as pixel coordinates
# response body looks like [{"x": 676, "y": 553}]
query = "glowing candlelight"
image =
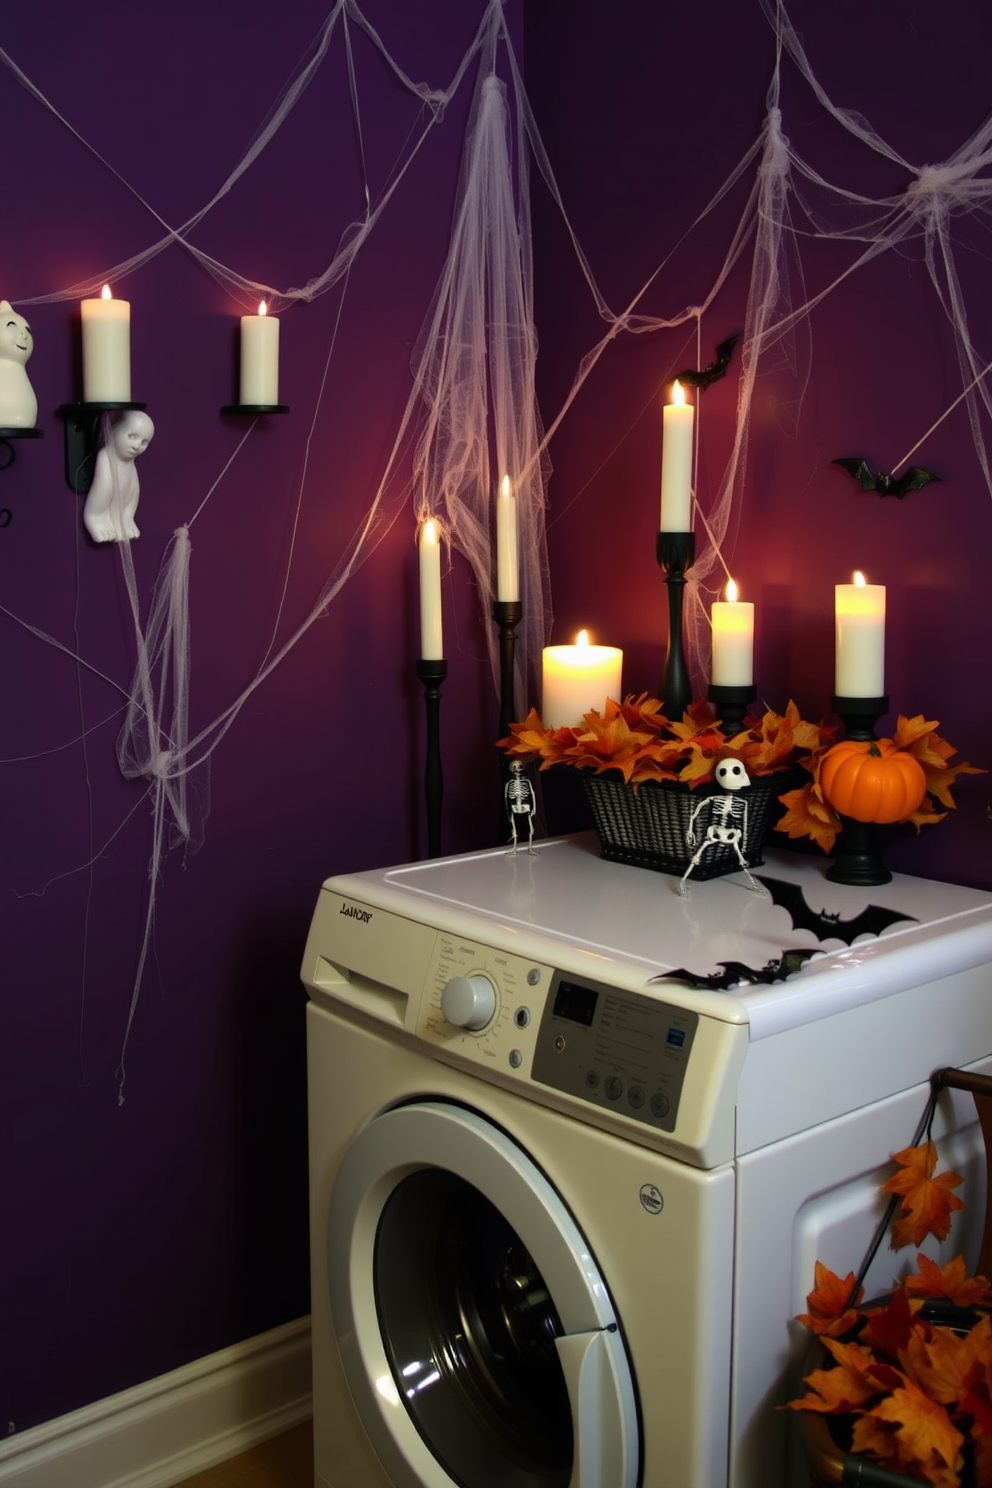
[
  {"x": 733, "y": 641},
  {"x": 507, "y": 568},
  {"x": 431, "y": 636},
  {"x": 859, "y": 661},
  {"x": 106, "y": 349},
  {"x": 260, "y": 359},
  {"x": 577, "y": 679},
  {"x": 676, "y": 463}
]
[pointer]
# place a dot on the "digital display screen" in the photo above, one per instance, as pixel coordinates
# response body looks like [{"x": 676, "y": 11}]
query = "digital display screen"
[
  {"x": 576, "y": 1003},
  {"x": 676, "y": 1037}
]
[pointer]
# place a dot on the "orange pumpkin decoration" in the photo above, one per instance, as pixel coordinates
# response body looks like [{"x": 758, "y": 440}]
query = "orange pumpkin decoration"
[{"x": 872, "y": 780}]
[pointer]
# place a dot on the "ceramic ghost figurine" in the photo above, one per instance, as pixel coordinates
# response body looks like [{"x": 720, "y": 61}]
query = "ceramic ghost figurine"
[
  {"x": 18, "y": 404},
  {"x": 108, "y": 515}
]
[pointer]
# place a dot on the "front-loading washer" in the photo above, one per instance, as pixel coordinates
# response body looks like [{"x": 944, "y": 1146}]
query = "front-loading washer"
[{"x": 563, "y": 1209}]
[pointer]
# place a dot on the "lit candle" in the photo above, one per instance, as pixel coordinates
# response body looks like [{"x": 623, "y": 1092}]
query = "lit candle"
[
  {"x": 106, "y": 349},
  {"x": 260, "y": 359},
  {"x": 676, "y": 463},
  {"x": 577, "y": 679},
  {"x": 733, "y": 641},
  {"x": 431, "y": 641},
  {"x": 859, "y": 610},
  {"x": 507, "y": 570}
]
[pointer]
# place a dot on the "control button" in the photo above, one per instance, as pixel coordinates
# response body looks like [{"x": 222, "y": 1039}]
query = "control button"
[
  {"x": 635, "y": 1097},
  {"x": 516, "y": 1059},
  {"x": 469, "y": 1002},
  {"x": 533, "y": 977},
  {"x": 558, "y": 1044},
  {"x": 614, "y": 1087},
  {"x": 592, "y": 1079},
  {"x": 522, "y": 1017},
  {"x": 660, "y": 1106}
]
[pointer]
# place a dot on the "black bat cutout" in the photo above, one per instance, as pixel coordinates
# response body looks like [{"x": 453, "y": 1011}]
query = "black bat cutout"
[
  {"x": 703, "y": 379},
  {"x": 872, "y": 920},
  {"x": 886, "y": 485},
  {"x": 735, "y": 972}
]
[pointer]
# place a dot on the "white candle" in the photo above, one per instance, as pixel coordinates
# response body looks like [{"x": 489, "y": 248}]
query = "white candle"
[
  {"x": 507, "y": 569},
  {"x": 260, "y": 358},
  {"x": 106, "y": 349},
  {"x": 676, "y": 463},
  {"x": 577, "y": 679},
  {"x": 733, "y": 641},
  {"x": 859, "y": 610},
  {"x": 431, "y": 639}
]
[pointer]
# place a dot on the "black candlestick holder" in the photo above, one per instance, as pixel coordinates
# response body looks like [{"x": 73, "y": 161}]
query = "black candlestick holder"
[
  {"x": 432, "y": 674},
  {"x": 731, "y": 705},
  {"x": 507, "y": 613},
  {"x": 676, "y": 552},
  {"x": 857, "y": 861}
]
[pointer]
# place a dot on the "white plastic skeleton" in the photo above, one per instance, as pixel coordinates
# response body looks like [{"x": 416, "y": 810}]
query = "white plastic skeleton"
[
  {"x": 728, "y": 825},
  {"x": 518, "y": 794}
]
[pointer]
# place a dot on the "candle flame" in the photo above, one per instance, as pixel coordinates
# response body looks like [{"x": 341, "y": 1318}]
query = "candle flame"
[
  {"x": 263, "y": 308},
  {"x": 582, "y": 639},
  {"x": 678, "y": 394},
  {"x": 731, "y": 592},
  {"x": 859, "y": 578},
  {"x": 428, "y": 532},
  {"x": 105, "y": 293},
  {"x": 505, "y": 487}
]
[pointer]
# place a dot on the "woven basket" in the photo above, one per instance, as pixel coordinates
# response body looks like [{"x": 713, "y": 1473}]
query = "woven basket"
[{"x": 646, "y": 825}]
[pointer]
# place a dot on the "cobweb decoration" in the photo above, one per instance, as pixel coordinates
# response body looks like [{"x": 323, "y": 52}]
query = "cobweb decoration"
[{"x": 475, "y": 367}]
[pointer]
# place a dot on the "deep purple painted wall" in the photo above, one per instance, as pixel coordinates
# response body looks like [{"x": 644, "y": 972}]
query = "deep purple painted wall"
[
  {"x": 135, "y": 1238},
  {"x": 645, "y": 116}
]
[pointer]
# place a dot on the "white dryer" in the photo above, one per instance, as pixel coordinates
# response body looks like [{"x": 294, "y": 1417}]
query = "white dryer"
[{"x": 563, "y": 1210}]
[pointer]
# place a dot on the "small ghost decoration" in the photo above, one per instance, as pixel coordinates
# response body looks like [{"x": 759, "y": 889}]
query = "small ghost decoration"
[
  {"x": 18, "y": 404},
  {"x": 108, "y": 515}
]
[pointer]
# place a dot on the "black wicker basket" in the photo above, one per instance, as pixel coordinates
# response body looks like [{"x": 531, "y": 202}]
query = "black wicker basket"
[{"x": 646, "y": 825}]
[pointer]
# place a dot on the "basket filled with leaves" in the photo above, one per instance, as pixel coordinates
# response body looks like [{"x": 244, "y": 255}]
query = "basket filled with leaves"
[{"x": 900, "y": 1390}]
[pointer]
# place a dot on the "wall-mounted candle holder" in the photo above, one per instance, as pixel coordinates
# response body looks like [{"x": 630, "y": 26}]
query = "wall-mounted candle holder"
[
  {"x": 7, "y": 435},
  {"x": 83, "y": 425},
  {"x": 252, "y": 410}
]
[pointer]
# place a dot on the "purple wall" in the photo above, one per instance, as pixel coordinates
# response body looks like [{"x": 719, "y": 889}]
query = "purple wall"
[
  {"x": 644, "y": 119},
  {"x": 137, "y": 1238}
]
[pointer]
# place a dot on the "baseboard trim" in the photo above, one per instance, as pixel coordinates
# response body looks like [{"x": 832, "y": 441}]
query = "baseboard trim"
[{"x": 169, "y": 1428}]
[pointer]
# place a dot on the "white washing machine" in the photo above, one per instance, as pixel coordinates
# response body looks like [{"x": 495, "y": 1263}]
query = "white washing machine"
[{"x": 563, "y": 1212}]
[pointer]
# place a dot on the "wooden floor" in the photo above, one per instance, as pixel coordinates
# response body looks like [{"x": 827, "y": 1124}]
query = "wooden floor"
[{"x": 284, "y": 1462}]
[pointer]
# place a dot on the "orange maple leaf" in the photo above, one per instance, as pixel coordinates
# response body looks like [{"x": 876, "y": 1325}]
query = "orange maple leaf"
[
  {"x": 849, "y": 1384},
  {"x": 943, "y": 1363},
  {"x": 808, "y": 815},
  {"x": 927, "y": 1201},
  {"x": 951, "y": 1281},
  {"x": 889, "y": 1328},
  {"x": 926, "y": 1434},
  {"x": 830, "y": 1310}
]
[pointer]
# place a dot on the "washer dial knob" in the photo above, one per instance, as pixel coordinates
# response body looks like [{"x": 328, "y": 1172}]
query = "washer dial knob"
[{"x": 469, "y": 1001}]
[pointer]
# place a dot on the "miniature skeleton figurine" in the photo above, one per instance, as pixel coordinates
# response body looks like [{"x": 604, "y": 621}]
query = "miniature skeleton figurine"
[
  {"x": 520, "y": 800},
  {"x": 728, "y": 823}
]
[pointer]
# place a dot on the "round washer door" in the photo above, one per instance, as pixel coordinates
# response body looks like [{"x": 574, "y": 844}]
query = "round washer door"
[{"x": 477, "y": 1334}]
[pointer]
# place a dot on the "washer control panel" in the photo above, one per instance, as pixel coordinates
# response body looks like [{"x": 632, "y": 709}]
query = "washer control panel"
[{"x": 616, "y": 1049}]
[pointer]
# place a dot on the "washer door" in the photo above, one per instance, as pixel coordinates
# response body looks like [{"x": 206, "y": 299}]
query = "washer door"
[{"x": 478, "y": 1337}]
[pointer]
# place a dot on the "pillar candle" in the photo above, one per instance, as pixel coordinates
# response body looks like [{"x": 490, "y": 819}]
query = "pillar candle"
[
  {"x": 260, "y": 358},
  {"x": 733, "y": 641},
  {"x": 106, "y": 349},
  {"x": 676, "y": 463},
  {"x": 431, "y": 638},
  {"x": 507, "y": 568},
  {"x": 859, "y": 611},
  {"x": 577, "y": 679}
]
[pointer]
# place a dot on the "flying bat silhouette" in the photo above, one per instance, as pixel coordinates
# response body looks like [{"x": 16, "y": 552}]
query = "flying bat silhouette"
[
  {"x": 702, "y": 379},
  {"x": 735, "y": 972},
  {"x": 886, "y": 485},
  {"x": 872, "y": 920}
]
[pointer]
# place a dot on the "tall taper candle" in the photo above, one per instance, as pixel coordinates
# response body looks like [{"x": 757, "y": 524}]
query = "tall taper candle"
[
  {"x": 431, "y": 631},
  {"x": 676, "y": 463},
  {"x": 507, "y": 567}
]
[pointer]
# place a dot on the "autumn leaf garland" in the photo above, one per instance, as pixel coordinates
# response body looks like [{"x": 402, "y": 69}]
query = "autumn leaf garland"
[{"x": 635, "y": 738}]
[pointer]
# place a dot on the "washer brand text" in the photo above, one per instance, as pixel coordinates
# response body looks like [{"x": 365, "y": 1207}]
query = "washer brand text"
[{"x": 354, "y": 913}]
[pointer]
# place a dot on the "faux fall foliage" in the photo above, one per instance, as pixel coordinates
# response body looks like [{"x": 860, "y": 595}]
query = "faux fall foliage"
[
  {"x": 918, "y": 1392},
  {"x": 635, "y": 738}
]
